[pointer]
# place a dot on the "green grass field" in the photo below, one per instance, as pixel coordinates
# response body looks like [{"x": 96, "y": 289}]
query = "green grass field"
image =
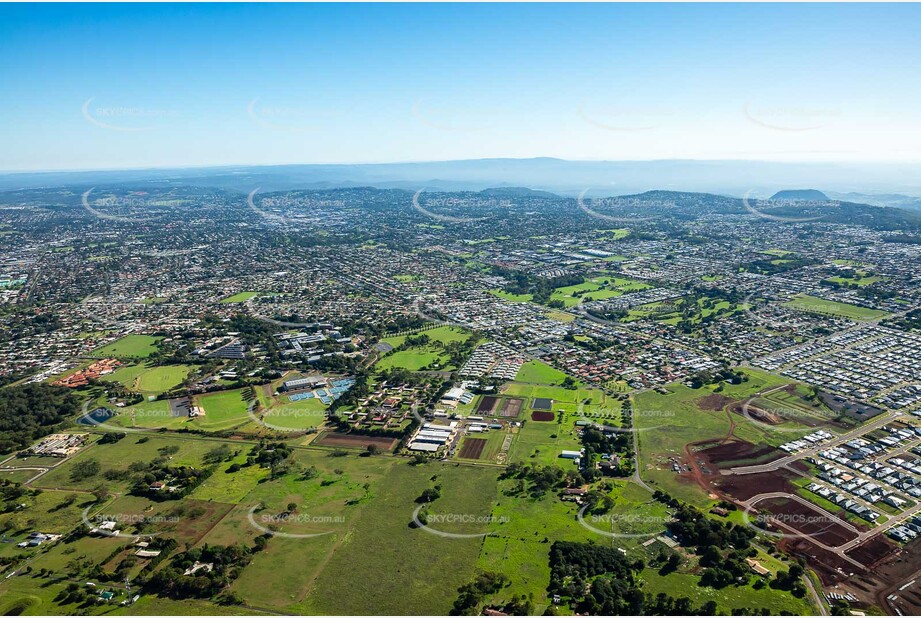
[
  {"x": 240, "y": 297},
  {"x": 596, "y": 288},
  {"x": 860, "y": 280},
  {"x": 540, "y": 373},
  {"x": 727, "y": 599},
  {"x": 149, "y": 380},
  {"x": 130, "y": 346},
  {"x": 561, "y": 316},
  {"x": 413, "y": 360},
  {"x": 119, "y": 456},
  {"x": 223, "y": 410},
  {"x": 444, "y": 334},
  {"x": 812, "y": 304},
  {"x": 615, "y": 234},
  {"x": 666, "y": 423},
  {"x": 148, "y": 414},
  {"x": 17, "y": 476},
  {"x": 302, "y": 414},
  {"x": 590, "y": 400},
  {"x": 49, "y": 511},
  {"x": 542, "y": 442},
  {"x": 521, "y": 533},
  {"x": 366, "y": 504},
  {"x": 432, "y": 567},
  {"x": 417, "y": 358},
  {"x": 515, "y": 298}
]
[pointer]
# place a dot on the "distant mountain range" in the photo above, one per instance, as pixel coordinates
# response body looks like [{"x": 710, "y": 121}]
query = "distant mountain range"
[
  {"x": 889, "y": 200},
  {"x": 598, "y": 178},
  {"x": 809, "y": 195}
]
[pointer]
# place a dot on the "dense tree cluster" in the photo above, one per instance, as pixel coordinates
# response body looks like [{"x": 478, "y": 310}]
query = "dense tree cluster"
[
  {"x": 600, "y": 580},
  {"x": 692, "y": 528},
  {"x": 267, "y": 454},
  {"x": 597, "y": 442},
  {"x": 472, "y": 594},
  {"x": 227, "y": 562},
  {"x": 180, "y": 479},
  {"x": 541, "y": 289},
  {"x": 31, "y": 411},
  {"x": 774, "y": 266},
  {"x": 537, "y": 480}
]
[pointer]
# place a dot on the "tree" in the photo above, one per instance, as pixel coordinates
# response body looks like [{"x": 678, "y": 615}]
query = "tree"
[
  {"x": 31, "y": 411},
  {"x": 671, "y": 565},
  {"x": 429, "y": 495},
  {"x": 100, "y": 493},
  {"x": 84, "y": 469}
]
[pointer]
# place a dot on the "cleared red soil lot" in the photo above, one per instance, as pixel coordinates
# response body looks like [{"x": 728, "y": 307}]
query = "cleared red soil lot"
[
  {"x": 472, "y": 448},
  {"x": 349, "y": 440}
]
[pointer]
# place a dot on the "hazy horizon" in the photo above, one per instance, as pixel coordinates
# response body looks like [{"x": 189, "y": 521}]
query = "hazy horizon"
[{"x": 105, "y": 87}]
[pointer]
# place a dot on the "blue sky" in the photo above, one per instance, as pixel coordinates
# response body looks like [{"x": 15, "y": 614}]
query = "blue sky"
[{"x": 116, "y": 86}]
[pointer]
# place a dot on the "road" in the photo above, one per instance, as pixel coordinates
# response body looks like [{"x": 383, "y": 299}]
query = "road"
[
  {"x": 876, "y": 423},
  {"x": 839, "y": 550}
]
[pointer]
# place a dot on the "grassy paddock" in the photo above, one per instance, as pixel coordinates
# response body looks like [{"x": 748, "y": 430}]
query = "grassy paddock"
[
  {"x": 130, "y": 346},
  {"x": 812, "y": 304}
]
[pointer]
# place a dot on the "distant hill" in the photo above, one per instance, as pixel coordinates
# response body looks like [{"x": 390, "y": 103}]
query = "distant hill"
[
  {"x": 510, "y": 192},
  {"x": 689, "y": 206},
  {"x": 891, "y": 200},
  {"x": 568, "y": 178},
  {"x": 809, "y": 195}
]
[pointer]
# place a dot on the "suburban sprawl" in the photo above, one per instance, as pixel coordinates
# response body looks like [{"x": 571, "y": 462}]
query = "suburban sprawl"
[{"x": 366, "y": 401}]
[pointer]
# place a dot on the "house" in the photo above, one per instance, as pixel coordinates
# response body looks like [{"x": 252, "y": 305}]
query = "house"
[
  {"x": 608, "y": 468},
  {"x": 199, "y": 566},
  {"x": 757, "y": 567}
]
